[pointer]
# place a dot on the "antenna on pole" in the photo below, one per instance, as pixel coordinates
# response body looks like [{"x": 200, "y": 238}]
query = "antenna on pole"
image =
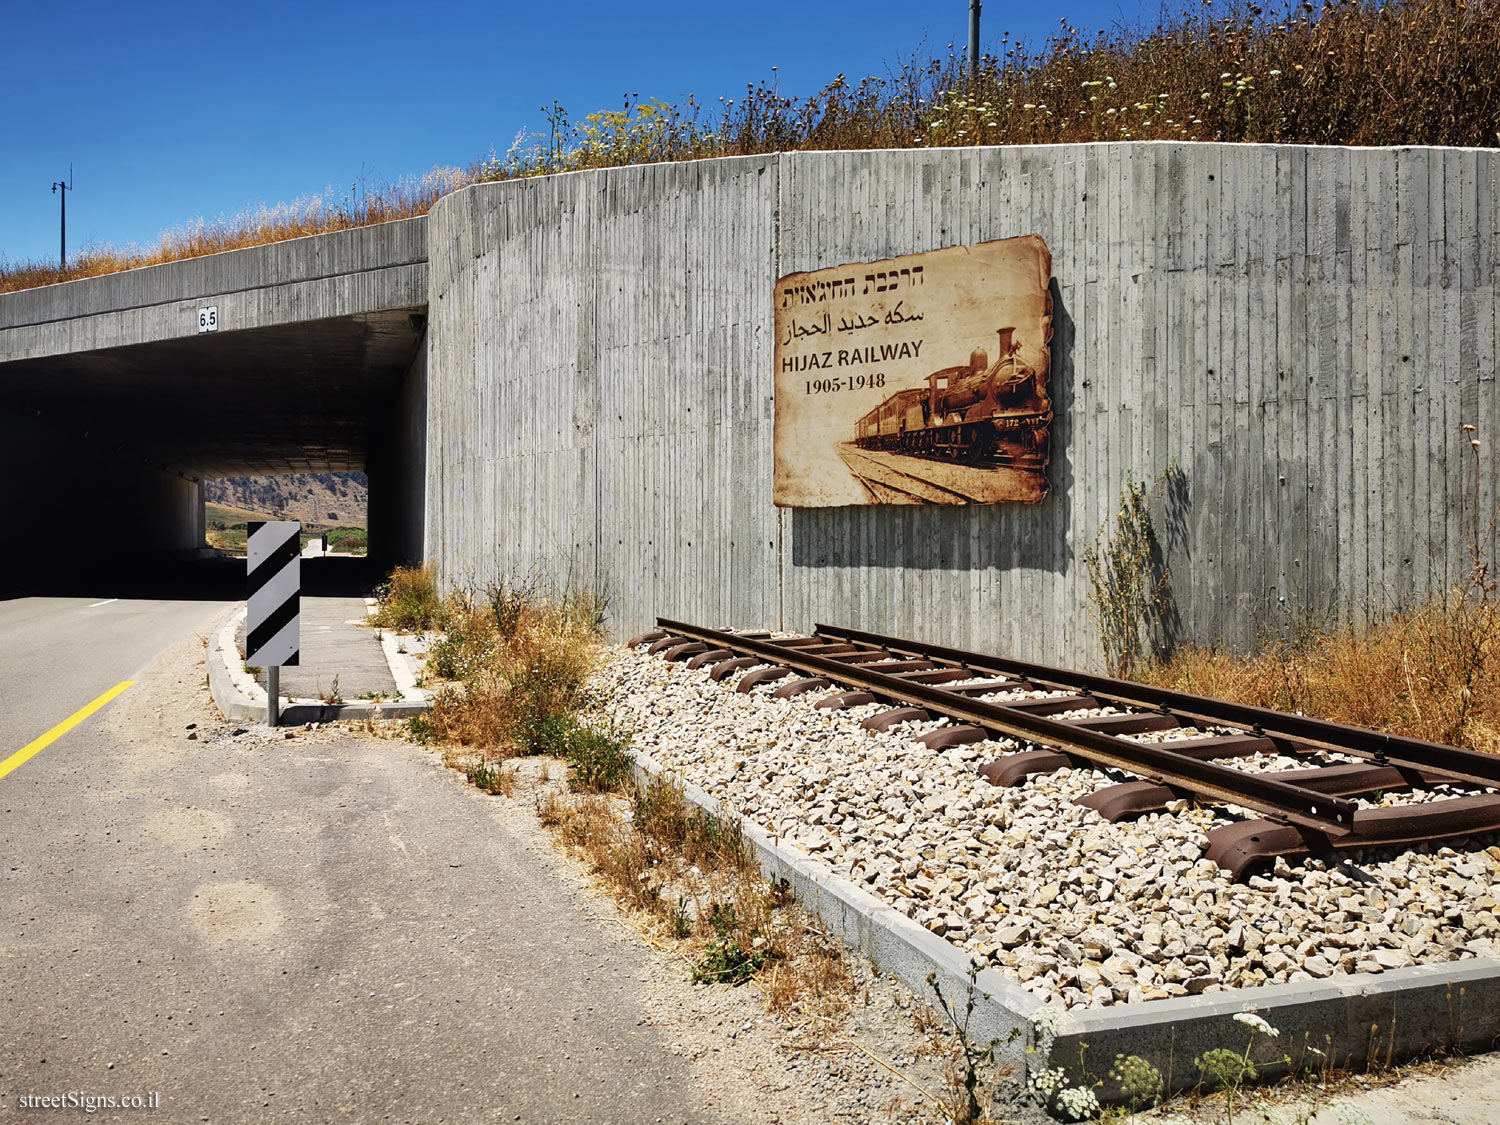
[
  {"x": 973, "y": 44},
  {"x": 65, "y": 186}
]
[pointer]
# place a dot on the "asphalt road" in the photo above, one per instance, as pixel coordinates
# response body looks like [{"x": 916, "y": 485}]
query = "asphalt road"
[
  {"x": 322, "y": 928},
  {"x": 59, "y": 654}
]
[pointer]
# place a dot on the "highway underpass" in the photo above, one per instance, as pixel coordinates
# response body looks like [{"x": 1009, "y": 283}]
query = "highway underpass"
[{"x": 114, "y": 406}]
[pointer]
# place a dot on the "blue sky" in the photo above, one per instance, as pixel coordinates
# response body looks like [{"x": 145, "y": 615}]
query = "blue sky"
[{"x": 172, "y": 111}]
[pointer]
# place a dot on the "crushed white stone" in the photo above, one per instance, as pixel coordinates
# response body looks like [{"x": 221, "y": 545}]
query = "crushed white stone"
[{"x": 1075, "y": 908}]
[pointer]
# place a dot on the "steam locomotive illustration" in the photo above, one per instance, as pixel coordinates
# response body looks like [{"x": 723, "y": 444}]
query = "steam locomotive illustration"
[{"x": 974, "y": 414}]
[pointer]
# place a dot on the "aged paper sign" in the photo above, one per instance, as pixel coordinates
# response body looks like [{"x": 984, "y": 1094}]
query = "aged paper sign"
[{"x": 917, "y": 380}]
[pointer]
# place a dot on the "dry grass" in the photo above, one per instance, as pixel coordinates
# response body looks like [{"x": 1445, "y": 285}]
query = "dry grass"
[
  {"x": 520, "y": 665},
  {"x": 689, "y": 877},
  {"x": 409, "y": 601},
  {"x": 1409, "y": 72},
  {"x": 315, "y": 214},
  {"x": 1432, "y": 672}
]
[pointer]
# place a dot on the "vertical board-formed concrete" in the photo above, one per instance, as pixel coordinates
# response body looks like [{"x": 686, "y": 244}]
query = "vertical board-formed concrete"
[
  {"x": 1299, "y": 332},
  {"x": 397, "y": 472},
  {"x": 600, "y": 398}
]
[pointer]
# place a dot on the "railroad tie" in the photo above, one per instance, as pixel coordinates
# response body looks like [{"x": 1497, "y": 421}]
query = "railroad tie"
[{"x": 1300, "y": 812}]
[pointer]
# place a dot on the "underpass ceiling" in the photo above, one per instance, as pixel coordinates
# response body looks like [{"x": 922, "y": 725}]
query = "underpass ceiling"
[{"x": 308, "y": 397}]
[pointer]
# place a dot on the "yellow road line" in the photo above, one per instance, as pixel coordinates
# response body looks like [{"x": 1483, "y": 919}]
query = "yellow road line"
[{"x": 35, "y": 747}]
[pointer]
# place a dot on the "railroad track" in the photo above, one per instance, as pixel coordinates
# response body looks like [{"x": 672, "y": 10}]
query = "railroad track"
[
  {"x": 887, "y": 482},
  {"x": 1090, "y": 721}
]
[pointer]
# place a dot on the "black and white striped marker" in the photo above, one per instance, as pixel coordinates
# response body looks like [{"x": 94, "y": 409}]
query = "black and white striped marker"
[{"x": 275, "y": 582}]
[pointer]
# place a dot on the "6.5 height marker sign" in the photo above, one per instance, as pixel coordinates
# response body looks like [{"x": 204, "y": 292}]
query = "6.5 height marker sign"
[{"x": 272, "y": 625}]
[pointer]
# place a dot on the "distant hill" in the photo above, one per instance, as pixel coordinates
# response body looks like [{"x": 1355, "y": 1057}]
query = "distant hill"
[{"x": 325, "y": 499}]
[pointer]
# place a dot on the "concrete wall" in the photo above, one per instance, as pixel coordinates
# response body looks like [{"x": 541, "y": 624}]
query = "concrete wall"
[
  {"x": 397, "y": 473},
  {"x": 599, "y": 390},
  {"x": 1301, "y": 331},
  {"x": 313, "y": 278}
]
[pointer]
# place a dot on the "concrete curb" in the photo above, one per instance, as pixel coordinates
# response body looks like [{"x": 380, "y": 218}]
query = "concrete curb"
[
  {"x": 404, "y": 669},
  {"x": 240, "y": 699},
  {"x": 896, "y": 944},
  {"x": 1358, "y": 1021}
]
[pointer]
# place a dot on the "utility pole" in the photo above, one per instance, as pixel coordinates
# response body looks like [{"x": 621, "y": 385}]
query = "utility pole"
[
  {"x": 65, "y": 186},
  {"x": 973, "y": 45}
]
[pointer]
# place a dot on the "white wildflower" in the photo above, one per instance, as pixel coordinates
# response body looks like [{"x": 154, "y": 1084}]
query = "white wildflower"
[
  {"x": 1078, "y": 1103},
  {"x": 1047, "y": 1020},
  {"x": 1049, "y": 1082},
  {"x": 1256, "y": 1024}
]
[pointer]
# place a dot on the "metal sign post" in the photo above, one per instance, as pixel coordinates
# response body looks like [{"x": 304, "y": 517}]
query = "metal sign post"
[{"x": 273, "y": 618}]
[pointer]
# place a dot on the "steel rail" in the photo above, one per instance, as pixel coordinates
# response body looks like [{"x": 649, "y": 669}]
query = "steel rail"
[
  {"x": 1331, "y": 816},
  {"x": 1378, "y": 746}
]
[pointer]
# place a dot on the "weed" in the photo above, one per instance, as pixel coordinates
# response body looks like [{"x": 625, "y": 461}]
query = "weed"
[
  {"x": 662, "y": 814},
  {"x": 682, "y": 925},
  {"x": 749, "y": 926},
  {"x": 963, "y": 1106},
  {"x": 1232, "y": 1069},
  {"x": 1129, "y": 579},
  {"x": 599, "y": 759},
  {"x": 420, "y": 729},
  {"x": 1051, "y": 1085},
  {"x": 728, "y": 960},
  {"x": 1140, "y": 1082},
  {"x": 522, "y": 659},
  {"x": 491, "y": 776},
  {"x": 409, "y": 601},
  {"x": 508, "y": 601}
]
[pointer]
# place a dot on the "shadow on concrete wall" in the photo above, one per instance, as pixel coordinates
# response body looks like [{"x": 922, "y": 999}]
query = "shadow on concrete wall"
[
  {"x": 1176, "y": 503},
  {"x": 974, "y": 537}
]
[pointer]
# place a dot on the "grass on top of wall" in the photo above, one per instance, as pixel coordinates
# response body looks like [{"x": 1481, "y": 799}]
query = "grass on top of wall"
[
  {"x": 314, "y": 214},
  {"x": 1407, "y": 72}
]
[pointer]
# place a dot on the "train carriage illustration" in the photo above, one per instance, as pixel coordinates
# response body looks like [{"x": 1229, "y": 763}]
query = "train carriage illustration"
[{"x": 975, "y": 414}]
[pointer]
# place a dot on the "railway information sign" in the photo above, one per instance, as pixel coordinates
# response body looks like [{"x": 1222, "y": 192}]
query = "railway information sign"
[{"x": 920, "y": 379}]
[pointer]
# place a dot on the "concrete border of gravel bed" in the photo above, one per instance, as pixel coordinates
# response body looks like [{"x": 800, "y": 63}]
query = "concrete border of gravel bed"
[{"x": 1358, "y": 1021}]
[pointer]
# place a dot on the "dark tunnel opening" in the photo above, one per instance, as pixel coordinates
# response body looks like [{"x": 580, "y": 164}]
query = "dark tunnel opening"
[{"x": 106, "y": 451}]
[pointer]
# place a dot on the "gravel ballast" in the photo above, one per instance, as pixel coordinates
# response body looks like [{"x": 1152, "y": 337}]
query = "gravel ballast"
[{"x": 1080, "y": 911}]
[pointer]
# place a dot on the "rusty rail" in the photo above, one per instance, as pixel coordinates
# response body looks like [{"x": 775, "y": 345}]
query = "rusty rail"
[
  {"x": 1300, "y": 730},
  {"x": 1305, "y": 810},
  {"x": 1306, "y": 807}
]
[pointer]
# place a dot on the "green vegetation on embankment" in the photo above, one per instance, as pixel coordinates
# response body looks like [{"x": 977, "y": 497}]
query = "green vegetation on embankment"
[{"x": 1407, "y": 72}]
